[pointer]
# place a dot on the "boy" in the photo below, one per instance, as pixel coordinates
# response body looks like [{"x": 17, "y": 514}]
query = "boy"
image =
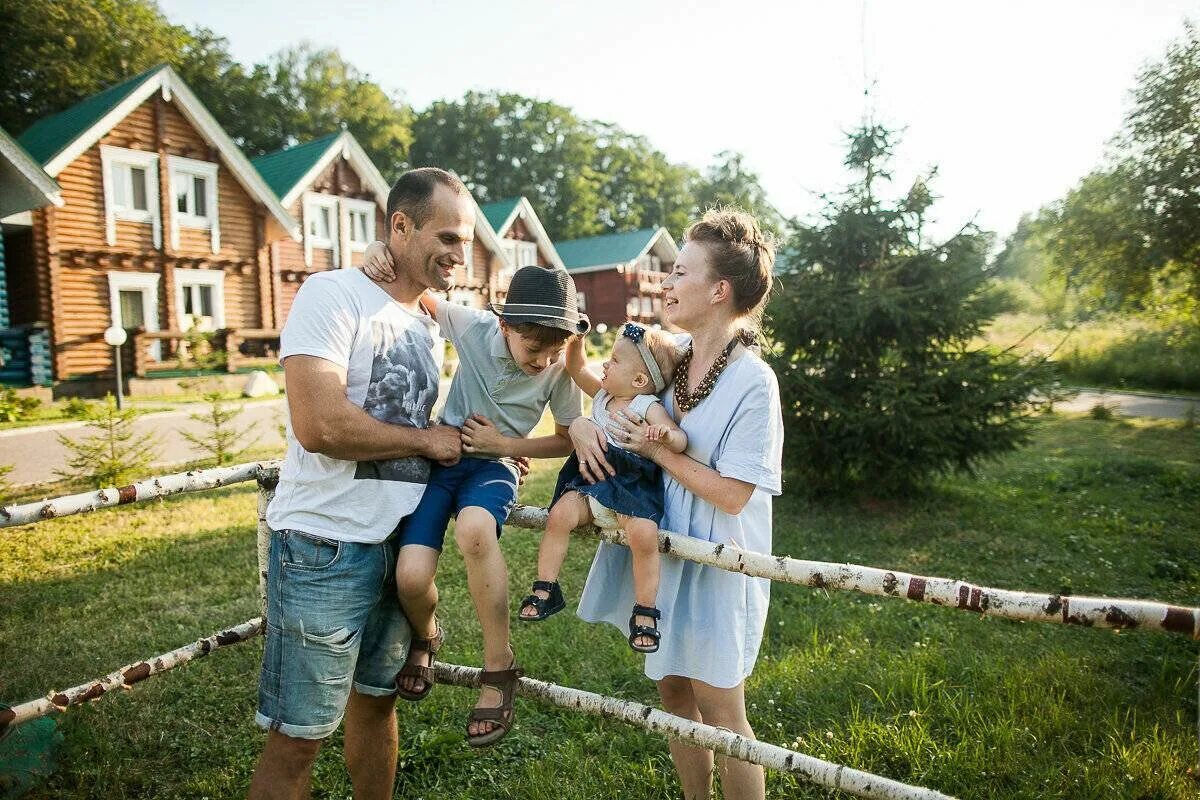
[{"x": 510, "y": 370}]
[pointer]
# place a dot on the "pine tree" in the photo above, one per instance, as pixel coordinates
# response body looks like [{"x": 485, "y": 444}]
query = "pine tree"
[
  {"x": 221, "y": 437},
  {"x": 115, "y": 454},
  {"x": 880, "y": 384}
]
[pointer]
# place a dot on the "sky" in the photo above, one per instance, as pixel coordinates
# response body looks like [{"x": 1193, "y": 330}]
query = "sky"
[{"x": 1012, "y": 102}]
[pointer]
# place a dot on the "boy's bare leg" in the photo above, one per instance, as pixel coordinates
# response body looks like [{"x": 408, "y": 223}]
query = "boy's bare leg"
[
  {"x": 371, "y": 745},
  {"x": 643, "y": 541},
  {"x": 416, "y": 567},
  {"x": 284, "y": 769},
  {"x": 487, "y": 578},
  {"x": 568, "y": 513}
]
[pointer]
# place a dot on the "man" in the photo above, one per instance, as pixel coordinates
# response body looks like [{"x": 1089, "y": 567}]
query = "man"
[{"x": 361, "y": 361}]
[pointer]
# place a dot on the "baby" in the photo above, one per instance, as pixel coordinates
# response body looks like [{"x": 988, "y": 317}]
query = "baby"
[{"x": 638, "y": 369}]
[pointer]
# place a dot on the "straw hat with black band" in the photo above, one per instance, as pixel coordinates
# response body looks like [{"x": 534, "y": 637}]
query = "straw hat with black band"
[{"x": 544, "y": 297}]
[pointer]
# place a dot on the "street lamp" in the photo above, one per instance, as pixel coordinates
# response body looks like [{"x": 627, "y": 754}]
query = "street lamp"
[
  {"x": 115, "y": 337},
  {"x": 601, "y": 328}
]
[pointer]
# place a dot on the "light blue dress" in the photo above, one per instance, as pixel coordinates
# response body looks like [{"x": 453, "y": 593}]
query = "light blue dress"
[{"x": 712, "y": 619}]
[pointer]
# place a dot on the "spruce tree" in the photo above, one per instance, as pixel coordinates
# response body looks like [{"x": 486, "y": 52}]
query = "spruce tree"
[
  {"x": 872, "y": 342},
  {"x": 221, "y": 436},
  {"x": 114, "y": 454}
]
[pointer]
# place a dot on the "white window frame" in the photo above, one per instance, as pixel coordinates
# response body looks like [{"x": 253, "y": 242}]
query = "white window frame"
[
  {"x": 181, "y": 169},
  {"x": 469, "y": 260},
  {"x": 213, "y": 278},
  {"x": 147, "y": 284},
  {"x": 313, "y": 201},
  {"x": 581, "y": 301},
  {"x": 116, "y": 163},
  {"x": 463, "y": 297},
  {"x": 348, "y": 206}
]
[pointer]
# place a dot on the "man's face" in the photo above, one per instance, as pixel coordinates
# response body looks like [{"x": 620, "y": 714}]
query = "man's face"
[{"x": 429, "y": 254}]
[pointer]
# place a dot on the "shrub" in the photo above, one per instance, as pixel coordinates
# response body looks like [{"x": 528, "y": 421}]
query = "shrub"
[{"x": 14, "y": 407}]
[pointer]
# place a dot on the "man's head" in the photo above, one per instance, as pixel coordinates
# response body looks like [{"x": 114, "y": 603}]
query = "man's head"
[{"x": 430, "y": 225}]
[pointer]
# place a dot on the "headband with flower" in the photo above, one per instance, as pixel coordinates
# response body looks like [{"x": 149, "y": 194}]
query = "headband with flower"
[{"x": 636, "y": 333}]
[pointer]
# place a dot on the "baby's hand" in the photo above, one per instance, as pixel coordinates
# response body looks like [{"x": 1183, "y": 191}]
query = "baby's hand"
[
  {"x": 657, "y": 433},
  {"x": 377, "y": 263}
]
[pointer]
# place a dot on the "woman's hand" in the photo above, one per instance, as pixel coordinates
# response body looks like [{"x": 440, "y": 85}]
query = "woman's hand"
[
  {"x": 480, "y": 435},
  {"x": 589, "y": 443},
  {"x": 378, "y": 264},
  {"x": 636, "y": 434}
]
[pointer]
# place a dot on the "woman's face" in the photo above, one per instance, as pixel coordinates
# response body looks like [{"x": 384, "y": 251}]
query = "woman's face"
[{"x": 688, "y": 290}]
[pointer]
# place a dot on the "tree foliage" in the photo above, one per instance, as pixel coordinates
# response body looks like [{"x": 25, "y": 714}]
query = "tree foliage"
[
  {"x": 880, "y": 385},
  {"x": 221, "y": 439},
  {"x": 114, "y": 453}
]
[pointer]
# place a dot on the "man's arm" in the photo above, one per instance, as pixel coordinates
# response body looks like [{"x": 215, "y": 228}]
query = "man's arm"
[{"x": 326, "y": 422}]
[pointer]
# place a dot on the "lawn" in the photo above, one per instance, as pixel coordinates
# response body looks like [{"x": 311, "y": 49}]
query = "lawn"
[{"x": 972, "y": 706}]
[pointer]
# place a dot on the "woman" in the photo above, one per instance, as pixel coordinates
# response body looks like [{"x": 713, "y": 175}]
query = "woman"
[{"x": 727, "y": 401}]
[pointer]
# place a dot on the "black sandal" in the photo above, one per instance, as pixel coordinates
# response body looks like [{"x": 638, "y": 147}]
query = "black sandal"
[
  {"x": 426, "y": 674},
  {"x": 545, "y": 606},
  {"x": 502, "y": 716},
  {"x": 637, "y": 631}
]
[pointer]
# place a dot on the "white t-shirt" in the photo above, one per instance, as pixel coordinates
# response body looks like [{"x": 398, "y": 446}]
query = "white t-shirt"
[{"x": 393, "y": 359}]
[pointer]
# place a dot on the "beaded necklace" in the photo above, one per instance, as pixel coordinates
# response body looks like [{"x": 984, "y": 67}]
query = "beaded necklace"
[{"x": 688, "y": 400}]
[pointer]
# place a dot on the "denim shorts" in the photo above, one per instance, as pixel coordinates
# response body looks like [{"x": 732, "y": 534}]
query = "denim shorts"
[
  {"x": 333, "y": 622},
  {"x": 486, "y": 483}
]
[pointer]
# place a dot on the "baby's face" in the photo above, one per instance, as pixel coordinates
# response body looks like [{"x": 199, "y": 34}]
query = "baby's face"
[{"x": 624, "y": 374}]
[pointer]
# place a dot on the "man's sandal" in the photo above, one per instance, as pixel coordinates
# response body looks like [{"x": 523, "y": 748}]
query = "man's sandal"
[
  {"x": 545, "y": 606},
  {"x": 410, "y": 670},
  {"x": 638, "y": 631},
  {"x": 503, "y": 681}
]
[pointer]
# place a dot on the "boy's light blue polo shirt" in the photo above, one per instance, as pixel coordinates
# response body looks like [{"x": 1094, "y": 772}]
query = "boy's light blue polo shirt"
[{"x": 489, "y": 382}]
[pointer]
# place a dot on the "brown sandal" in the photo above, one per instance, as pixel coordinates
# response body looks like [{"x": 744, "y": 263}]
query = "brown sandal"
[
  {"x": 425, "y": 674},
  {"x": 505, "y": 682}
]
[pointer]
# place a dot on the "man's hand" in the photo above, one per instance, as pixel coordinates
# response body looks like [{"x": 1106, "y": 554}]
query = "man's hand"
[
  {"x": 480, "y": 435},
  {"x": 377, "y": 263},
  {"x": 444, "y": 444}
]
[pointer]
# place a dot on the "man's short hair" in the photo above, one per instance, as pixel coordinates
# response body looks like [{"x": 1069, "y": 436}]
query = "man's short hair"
[{"x": 412, "y": 192}]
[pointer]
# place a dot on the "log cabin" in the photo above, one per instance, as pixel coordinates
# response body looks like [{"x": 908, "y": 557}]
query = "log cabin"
[
  {"x": 523, "y": 238},
  {"x": 619, "y": 275},
  {"x": 165, "y": 230},
  {"x": 24, "y": 185},
  {"x": 334, "y": 188}
]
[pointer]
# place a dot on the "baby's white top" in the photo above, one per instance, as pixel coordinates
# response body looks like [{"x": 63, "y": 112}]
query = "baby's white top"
[{"x": 638, "y": 405}]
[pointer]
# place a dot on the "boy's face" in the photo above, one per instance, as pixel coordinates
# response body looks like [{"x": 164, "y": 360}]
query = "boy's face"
[{"x": 531, "y": 355}]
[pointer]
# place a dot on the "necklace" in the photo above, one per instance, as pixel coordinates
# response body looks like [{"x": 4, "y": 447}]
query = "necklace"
[{"x": 688, "y": 400}]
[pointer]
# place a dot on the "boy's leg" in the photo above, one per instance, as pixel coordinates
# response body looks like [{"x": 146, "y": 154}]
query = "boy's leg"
[
  {"x": 643, "y": 541},
  {"x": 568, "y": 513},
  {"x": 487, "y": 579},
  {"x": 415, "y": 571}
]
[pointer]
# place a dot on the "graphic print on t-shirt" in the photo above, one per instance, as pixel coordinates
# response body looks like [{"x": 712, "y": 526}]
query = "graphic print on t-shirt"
[{"x": 402, "y": 391}]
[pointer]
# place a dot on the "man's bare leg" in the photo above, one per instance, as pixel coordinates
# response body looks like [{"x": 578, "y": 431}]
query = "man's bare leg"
[
  {"x": 371, "y": 745},
  {"x": 284, "y": 769}
]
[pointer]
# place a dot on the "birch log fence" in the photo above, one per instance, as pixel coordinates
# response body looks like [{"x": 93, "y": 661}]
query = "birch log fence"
[{"x": 1028, "y": 606}]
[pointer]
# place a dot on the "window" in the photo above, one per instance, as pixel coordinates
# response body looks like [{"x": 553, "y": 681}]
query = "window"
[
  {"x": 133, "y": 303},
  {"x": 200, "y": 299},
  {"x": 631, "y": 307},
  {"x": 463, "y": 298},
  {"x": 581, "y": 300},
  {"x": 358, "y": 225},
  {"x": 130, "y": 190},
  {"x": 320, "y": 225},
  {"x": 194, "y": 198},
  {"x": 469, "y": 261},
  {"x": 521, "y": 254}
]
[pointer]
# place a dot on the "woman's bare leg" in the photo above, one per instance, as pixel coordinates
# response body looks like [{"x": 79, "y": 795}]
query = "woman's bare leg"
[
  {"x": 726, "y": 708},
  {"x": 694, "y": 765}
]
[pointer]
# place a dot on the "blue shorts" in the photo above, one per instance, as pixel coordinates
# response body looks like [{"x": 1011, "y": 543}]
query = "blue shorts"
[
  {"x": 483, "y": 482},
  {"x": 333, "y": 622}
]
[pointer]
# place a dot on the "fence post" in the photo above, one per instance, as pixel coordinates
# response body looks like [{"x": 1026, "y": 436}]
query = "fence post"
[{"x": 268, "y": 478}]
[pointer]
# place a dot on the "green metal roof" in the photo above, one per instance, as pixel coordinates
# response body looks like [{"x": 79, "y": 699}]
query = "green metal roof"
[
  {"x": 49, "y": 136},
  {"x": 609, "y": 248},
  {"x": 284, "y": 168},
  {"x": 498, "y": 211}
]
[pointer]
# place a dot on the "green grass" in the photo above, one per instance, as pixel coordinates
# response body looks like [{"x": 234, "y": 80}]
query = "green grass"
[
  {"x": 1138, "y": 353},
  {"x": 971, "y": 706}
]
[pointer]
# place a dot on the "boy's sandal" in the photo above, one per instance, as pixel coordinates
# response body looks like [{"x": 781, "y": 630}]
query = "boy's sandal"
[
  {"x": 545, "y": 606},
  {"x": 638, "y": 631},
  {"x": 410, "y": 670},
  {"x": 505, "y": 682}
]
